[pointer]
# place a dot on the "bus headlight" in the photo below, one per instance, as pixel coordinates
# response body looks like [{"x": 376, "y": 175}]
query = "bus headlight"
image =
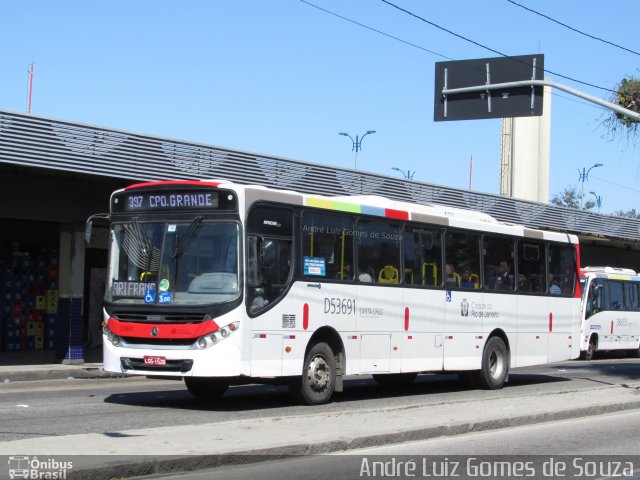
[{"x": 210, "y": 339}]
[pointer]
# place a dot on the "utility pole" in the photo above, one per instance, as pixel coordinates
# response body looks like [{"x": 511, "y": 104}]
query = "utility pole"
[
  {"x": 357, "y": 143},
  {"x": 30, "y": 88}
]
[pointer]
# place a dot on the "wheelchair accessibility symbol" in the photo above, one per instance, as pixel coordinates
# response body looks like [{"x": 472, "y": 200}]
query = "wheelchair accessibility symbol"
[{"x": 150, "y": 296}]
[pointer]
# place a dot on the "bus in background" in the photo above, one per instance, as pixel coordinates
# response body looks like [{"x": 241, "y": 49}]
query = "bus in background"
[
  {"x": 610, "y": 311},
  {"x": 224, "y": 284}
]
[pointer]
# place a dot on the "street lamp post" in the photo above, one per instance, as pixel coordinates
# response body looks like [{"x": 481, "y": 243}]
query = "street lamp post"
[
  {"x": 408, "y": 174},
  {"x": 584, "y": 175},
  {"x": 598, "y": 200},
  {"x": 357, "y": 143}
]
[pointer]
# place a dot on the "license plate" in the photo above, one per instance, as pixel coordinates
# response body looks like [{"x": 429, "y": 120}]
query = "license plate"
[{"x": 155, "y": 361}]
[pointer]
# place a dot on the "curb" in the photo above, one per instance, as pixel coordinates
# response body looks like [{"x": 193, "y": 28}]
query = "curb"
[
  {"x": 47, "y": 373},
  {"x": 144, "y": 465}
]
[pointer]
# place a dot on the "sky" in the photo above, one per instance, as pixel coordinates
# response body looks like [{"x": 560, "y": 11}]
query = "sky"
[{"x": 283, "y": 78}]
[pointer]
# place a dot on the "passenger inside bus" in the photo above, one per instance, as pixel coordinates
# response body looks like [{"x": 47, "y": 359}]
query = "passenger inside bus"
[
  {"x": 554, "y": 287},
  {"x": 524, "y": 285},
  {"x": 503, "y": 279},
  {"x": 452, "y": 279},
  {"x": 364, "y": 274},
  {"x": 467, "y": 280}
]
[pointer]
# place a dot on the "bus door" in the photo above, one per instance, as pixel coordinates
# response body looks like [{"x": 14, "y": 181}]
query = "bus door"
[
  {"x": 564, "y": 307},
  {"x": 465, "y": 304},
  {"x": 380, "y": 295},
  {"x": 593, "y": 314},
  {"x": 423, "y": 315}
]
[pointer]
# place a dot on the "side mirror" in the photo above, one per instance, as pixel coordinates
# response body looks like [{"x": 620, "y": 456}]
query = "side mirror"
[
  {"x": 87, "y": 231},
  {"x": 267, "y": 255},
  {"x": 88, "y": 228}
]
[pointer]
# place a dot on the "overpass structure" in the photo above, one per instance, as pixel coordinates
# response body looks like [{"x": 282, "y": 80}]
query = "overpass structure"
[{"x": 50, "y": 145}]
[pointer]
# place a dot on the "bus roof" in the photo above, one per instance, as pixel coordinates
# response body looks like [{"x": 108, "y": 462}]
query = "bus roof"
[
  {"x": 608, "y": 270},
  {"x": 384, "y": 207}
]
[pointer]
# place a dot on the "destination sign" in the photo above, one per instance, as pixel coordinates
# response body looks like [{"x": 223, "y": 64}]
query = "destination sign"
[{"x": 166, "y": 200}]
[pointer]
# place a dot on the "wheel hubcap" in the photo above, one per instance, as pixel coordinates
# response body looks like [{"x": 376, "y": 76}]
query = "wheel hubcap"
[
  {"x": 318, "y": 373},
  {"x": 495, "y": 364}
]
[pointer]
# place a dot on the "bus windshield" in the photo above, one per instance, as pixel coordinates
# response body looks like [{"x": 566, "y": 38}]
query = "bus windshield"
[{"x": 192, "y": 262}]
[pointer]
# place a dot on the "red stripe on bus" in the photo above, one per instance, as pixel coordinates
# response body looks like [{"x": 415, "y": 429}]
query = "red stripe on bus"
[
  {"x": 406, "y": 319},
  {"x": 173, "y": 182},
  {"x": 398, "y": 214},
  {"x": 550, "y": 321},
  {"x": 577, "y": 293},
  {"x": 162, "y": 330},
  {"x": 305, "y": 316}
]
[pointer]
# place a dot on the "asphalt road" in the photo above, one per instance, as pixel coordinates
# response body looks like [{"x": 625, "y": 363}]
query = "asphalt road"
[{"x": 63, "y": 407}]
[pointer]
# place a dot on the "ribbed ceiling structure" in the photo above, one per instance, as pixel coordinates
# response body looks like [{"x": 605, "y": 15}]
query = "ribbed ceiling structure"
[{"x": 33, "y": 141}]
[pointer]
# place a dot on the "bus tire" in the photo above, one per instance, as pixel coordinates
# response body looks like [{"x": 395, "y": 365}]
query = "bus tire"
[
  {"x": 495, "y": 365},
  {"x": 590, "y": 351},
  {"x": 206, "y": 388},
  {"x": 395, "y": 379},
  {"x": 318, "y": 380}
]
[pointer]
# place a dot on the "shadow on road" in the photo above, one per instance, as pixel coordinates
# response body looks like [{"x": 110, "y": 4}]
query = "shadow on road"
[
  {"x": 615, "y": 366},
  {"x": 430, "y": 388}
]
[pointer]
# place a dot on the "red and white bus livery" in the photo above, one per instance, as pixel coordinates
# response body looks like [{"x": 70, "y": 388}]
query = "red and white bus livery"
[{"x": 222, "y": 284}]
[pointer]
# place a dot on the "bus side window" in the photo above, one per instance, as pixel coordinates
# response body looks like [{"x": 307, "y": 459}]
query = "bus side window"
[
  {"x": 269, "y": 255},
  {"x": 631, "y": 296},
  {"x": 615, "y": 296},
  {"x": 594, "y": 299},
  {"x": 327, "y": 246},
  {"x": 422, "y": 256}
]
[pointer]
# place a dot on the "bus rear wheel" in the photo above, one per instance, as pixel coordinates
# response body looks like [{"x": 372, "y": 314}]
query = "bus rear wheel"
[
  {"x": 318, "y": 380},
  {"x": 495, "y": 365},
  {"x": 206, "y": 388}
]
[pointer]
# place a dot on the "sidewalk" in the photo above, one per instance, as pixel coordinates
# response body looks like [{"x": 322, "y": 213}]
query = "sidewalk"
[
  {"x": 192, "y": 447},
  {"x": 42, "y": 365}
]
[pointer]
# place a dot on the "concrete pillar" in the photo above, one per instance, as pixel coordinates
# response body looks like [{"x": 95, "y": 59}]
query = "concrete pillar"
[
  {"x": 70, "y": 328},
  {"x": 525, "y": 157}
]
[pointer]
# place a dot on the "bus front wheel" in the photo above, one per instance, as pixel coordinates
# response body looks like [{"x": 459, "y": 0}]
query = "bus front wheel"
[
  {"x": 495, "y": 365},
  {"x": 318, "y": 380},
  {"x": 590, "y": 351},
  {"x": 205, "y": 388}
]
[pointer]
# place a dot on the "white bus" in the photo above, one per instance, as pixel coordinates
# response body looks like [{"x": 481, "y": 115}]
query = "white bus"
[
  {"x": 224, "y": 284},
  {"x": 610, "y": 311}
]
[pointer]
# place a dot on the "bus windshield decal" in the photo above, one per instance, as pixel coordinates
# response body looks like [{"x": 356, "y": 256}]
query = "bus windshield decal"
[{"x": 131, "y": 289}]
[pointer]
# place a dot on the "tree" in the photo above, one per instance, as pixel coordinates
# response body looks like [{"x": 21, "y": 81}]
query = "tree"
[
  {"x": 630, "y": 213},
  {"x": 627, "y": 95},
  {"x": 570, "y": 197}
]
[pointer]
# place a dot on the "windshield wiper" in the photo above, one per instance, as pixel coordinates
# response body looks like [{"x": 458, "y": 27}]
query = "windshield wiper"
[
  {"x": 139, "y": 247},
  {"x": 183, "y": 242}
]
